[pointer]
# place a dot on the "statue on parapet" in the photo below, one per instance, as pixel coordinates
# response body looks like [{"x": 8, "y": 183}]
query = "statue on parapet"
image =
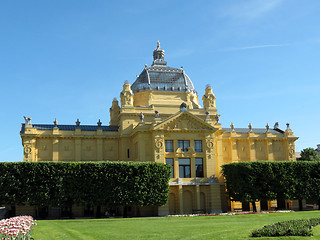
[{"x": 28, "y": 120}]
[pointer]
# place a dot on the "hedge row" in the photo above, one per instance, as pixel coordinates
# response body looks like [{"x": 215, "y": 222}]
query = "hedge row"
[
  {"x": 265, "y": 180},
  {"x": 86, "y": 183},
  {"x": 301, "y": 227}
]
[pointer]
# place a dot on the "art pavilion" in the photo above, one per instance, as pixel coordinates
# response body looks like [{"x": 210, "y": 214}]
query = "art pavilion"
[{"x": 159, "y": 118}]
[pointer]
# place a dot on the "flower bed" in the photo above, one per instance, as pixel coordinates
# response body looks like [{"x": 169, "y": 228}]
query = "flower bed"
[
  {"x": 228, "y": 214},
  {"x": 16, "y": 228},
  {"x": 300, "y": 227}
]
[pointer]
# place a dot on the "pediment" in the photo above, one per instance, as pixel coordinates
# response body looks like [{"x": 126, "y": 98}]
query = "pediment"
[{"x": 184, "y": 121}]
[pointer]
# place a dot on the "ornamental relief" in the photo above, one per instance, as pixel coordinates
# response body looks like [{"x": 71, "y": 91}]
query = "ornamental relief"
[
  {"x": 292, "y": 151},
  {"x": 27, "y": 151},
  {"x": 210, "y": 143},
  {"x": 184, "y": 124},
  {"x": 158, "y": 145}
]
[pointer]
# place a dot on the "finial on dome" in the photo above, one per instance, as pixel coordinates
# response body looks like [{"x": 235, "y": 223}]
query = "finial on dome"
[{"x": 158, "y": 54}]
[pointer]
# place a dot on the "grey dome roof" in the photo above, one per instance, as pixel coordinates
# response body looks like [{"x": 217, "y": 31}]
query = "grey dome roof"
[{"x": 160, "y": 77}]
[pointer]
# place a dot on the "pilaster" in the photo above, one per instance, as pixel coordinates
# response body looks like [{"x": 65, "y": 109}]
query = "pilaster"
[
  {"x": 99, "y": 149},
  {"x": 142, "y": 147},
  {"x": 180, "y": 199},
  {"x": 252, "y": 150},
  {"x": 29, "y": 150},
  {"x": 55, "y": 149},
  {"x": 210, "y": 156},
  {"x": 198, "y": 204},
  {"x": 77, "y": 149},
  {"x": 159, "y": 151},
  {"x": 192, "y": 169},
  {"x": 270, "y": 151},
  {"x": 215, "y": 198}
]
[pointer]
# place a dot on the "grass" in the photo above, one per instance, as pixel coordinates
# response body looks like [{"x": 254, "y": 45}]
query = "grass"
[{"x": 211, "y": 227}]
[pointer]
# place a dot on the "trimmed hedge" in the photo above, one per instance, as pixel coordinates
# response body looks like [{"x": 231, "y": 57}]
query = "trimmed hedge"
[
  {"x": 85, "y": 183},
  {"x": 265, "y": 180},
  {"x": 300, "y": 227}
]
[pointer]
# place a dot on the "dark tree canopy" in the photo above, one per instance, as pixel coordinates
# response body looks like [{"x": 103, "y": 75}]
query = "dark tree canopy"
[
  {"x": 309, "y": 154},
  {"x": 265, "y": 180}
]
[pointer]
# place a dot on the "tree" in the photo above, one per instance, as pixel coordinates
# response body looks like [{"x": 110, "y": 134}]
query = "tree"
[
  {"x": 265, "y": 180},
  {"x": 309, "y": 154}
]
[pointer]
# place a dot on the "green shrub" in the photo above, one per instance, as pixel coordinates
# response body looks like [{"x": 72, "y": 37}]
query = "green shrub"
[
  {"x": 300, "y": 227},
  {"x": 84, "y": 183}
]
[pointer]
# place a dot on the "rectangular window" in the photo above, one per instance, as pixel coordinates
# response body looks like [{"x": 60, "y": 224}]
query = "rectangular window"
[
  {"x": 169, "y": 145},
  {"x": 184, "y": 168},
  {"x": 199, "y": 167},
  {"x": 197, "y": 145},
  {"x": 169, "y": 161},
  {"x": 183, "y": 144}
]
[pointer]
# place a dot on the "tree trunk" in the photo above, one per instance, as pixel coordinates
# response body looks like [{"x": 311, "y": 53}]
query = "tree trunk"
[
  {"x": 125, "y": 212},
  {"x": 254, "y": 206},
  {"x": 98, "y": 213},
  {"x": 300, "y": 205},
  {"x": 319, "y": 204},
  {"x": 70, "y": 212},
  {"x": 12, "y": 212}
]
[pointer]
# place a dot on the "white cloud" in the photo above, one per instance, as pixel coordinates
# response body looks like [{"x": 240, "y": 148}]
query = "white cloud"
[
  {"x": 252, "y": 9},
  {"x": 252, "y": 47}
]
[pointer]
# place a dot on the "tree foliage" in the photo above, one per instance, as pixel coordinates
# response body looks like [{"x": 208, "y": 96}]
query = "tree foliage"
[
  {"x": 309, "y": 154},
  {"x": 265, "y": 180},
  {"x": 86, "y": 183}
]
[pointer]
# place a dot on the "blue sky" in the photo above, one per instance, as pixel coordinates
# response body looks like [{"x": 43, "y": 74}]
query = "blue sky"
[{"x": 69, "y": 59}]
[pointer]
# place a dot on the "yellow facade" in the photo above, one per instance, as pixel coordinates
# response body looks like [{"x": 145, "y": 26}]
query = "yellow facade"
[{"x": 151, "y": 123}]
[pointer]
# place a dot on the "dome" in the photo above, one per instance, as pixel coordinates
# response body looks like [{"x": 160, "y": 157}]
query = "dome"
[{"x": 160, "y": 77}]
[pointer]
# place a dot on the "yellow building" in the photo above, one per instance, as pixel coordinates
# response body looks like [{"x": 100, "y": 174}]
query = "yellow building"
[{"x": 159, "y": 119}]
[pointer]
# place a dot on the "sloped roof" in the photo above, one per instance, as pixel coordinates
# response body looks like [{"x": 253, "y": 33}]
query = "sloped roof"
[
  {"x": 71, "y": 127},
  {"x": 255, "y": 130}
]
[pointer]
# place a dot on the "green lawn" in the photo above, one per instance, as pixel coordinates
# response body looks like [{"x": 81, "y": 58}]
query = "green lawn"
[{"x": 213, "y": 227}]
